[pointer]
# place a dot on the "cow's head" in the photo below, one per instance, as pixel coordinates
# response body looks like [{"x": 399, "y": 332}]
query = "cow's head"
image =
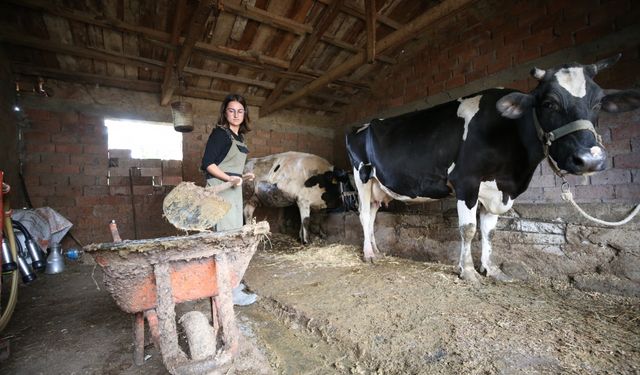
[
  {"x": 334, "y": 184},
  {"x": 565, "y": 106}
]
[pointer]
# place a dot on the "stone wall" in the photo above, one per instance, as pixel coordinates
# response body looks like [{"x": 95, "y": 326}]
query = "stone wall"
[{"x": 533, "y": 242}]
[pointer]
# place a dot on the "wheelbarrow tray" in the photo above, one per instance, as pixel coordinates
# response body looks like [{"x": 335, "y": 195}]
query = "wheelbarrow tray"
[
  {"x": 148, "y": 277},
  {"x": 128, "y": 265}
]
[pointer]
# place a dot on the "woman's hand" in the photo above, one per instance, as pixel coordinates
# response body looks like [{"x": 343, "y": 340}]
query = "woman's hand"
[
  {"x": 236, "y": 180},
  {"x": 248, "y": 176}
]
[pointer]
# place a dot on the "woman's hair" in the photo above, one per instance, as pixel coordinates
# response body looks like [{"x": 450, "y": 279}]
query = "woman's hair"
[{"x": 222, "y": 120}]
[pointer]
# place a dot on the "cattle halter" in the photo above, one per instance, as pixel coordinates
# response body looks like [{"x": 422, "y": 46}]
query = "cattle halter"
[{"x": 547, "y": 138}]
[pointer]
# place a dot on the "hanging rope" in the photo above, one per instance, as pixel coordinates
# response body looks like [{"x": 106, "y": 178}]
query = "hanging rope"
[{"x": 568, "y": 196}]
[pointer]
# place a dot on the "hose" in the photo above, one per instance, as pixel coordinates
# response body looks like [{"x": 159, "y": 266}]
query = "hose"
[{"x": 13, "y": 292}]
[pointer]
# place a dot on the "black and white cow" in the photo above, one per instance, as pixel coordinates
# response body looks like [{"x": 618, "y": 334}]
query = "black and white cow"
[
  {"x": 483, "y": 148},
  {"x": 289, "y": 178}
]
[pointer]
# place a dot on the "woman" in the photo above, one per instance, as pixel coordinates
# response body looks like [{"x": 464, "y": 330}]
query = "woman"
[
  {"x": 223, "y": 160},
  {"x": 225, "y": 156}
]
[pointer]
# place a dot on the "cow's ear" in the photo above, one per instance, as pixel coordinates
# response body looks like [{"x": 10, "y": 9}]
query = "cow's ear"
[
  {"x": 596, "y": 67},
  {"x": 514, "y": 105},
  {"x": 616, "y": 101}
]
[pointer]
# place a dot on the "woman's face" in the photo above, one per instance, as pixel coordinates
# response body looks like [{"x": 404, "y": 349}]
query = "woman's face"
[{"x": 234, "y": 113}]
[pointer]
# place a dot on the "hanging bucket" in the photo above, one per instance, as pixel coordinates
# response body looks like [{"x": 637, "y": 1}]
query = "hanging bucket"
[{"x": 182, "y": 116}]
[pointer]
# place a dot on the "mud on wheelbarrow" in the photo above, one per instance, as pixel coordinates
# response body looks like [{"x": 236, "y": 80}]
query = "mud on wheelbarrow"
[{"x": 148, "y": 277}]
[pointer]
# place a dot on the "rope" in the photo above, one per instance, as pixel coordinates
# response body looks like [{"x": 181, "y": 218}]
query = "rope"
[{"x": 568, "y": 196}]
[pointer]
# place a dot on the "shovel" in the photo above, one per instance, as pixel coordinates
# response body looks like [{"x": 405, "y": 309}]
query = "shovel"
[{"x": 192, "y": 207}]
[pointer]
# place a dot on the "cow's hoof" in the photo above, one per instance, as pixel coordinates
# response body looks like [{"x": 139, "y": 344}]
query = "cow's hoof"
[
  {"x": 369, "y": 259},
  {"x": 500, "y": 276},
  {"x": 497, "y": 274},
  {"x": 470, "y": 275}
]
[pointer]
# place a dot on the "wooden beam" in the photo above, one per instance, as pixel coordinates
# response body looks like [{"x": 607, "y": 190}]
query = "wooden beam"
[
  {"x": 326, "y": 19},
  {"x": 86, "y": 78},
  {"x": 65, "y": 49},
  {"x": 262, "y": 16},
  {"x": 163, "y": 39},
  {"x": 354, "y": 11},
  {"x": 370, "y": 11},
  {"x": 171, "y": 55},
  {"x": 394, "y": 39},
  {"x": 194, "y": 33}
]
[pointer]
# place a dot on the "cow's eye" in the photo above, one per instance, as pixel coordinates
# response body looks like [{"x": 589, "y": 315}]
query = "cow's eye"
[{"x": 552, "y": 105}]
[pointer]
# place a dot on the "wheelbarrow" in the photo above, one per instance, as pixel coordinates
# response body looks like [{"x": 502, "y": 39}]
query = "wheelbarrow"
[{"x": 149, "y": 277}]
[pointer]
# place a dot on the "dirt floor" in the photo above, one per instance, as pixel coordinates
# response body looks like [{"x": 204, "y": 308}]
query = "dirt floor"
[{"x": 322, "y": 311}]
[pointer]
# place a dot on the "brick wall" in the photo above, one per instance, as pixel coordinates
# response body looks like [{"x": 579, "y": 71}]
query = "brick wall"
[{"x": 495, "y": 44}]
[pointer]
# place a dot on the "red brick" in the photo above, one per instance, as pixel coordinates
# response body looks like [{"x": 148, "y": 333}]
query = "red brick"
[
  {"x": 627, "y": 161},
  {"x": 60, "y": 201},
  {"x": 592, "y": 32},
  {"x": 628, "y": 192},
  {"x": 69, "y": 148},
  {"x": 611, "y": 177},
  {"x": 599, "y": 193},
  {"x": 37, "y": 137},
  {"x": 53, "y": 180},
  {"x": 54, "y": 158},
  {"x": 99, "y": 149},
  {"x": 67, "y": 169},
  {"x": 625, "y": 132}
]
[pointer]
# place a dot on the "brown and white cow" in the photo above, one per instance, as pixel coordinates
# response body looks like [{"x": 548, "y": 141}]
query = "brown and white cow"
[{"x": 289, "y": 178}]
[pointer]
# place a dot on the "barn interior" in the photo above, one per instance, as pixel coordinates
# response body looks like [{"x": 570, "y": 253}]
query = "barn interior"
[{"x": 311, "y": 70}]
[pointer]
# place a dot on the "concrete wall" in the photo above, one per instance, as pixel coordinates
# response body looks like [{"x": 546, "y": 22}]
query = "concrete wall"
[{"x": 69, "y": 168}]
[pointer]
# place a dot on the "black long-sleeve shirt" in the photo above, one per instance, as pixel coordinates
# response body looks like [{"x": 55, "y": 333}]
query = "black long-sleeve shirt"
[{"x": 217, "y": 148}]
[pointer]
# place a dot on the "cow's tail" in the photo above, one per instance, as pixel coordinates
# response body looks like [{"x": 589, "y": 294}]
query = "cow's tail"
[{"x": 356, "y": 149}]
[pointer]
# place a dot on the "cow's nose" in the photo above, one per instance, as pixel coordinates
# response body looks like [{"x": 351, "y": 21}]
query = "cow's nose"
[{"x": 592, "y": 160}]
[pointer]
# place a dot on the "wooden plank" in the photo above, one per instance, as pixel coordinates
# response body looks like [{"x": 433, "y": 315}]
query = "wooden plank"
[
  {"x": 370, "y": 12},
  {"x": 168, "y": 76},
  {"x": 394, "y": 39},
  {"x": 327, "y": 17},
  {"x": 92, "y": 53},
  {"x": 86, "y": 78},
  {"x": 267, "y": 18}
]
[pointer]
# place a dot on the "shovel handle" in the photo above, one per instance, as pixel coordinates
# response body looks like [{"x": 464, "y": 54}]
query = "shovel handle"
[{"x": 229, "y": 184}]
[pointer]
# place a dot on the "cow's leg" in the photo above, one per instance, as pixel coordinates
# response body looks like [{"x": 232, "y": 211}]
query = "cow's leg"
[
  {"x": 467, "y": 224},
  {"x": 488, "y": 223},
  {"x": 494, "y": 204},
  {"x": 372, "y": 219},
  {"x": 249, "y": 208},
  {"x": 305, "y": 211},
  {"x": 364, "y": 195}
]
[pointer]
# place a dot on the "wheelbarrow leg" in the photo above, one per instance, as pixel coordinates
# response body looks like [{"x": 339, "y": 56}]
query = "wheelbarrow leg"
[
  {"x": 152, "y": 319},
  {"x": 171, "y": 352},
  {"x": 138, "y": 338},
  {"x": 224, "y": 305}
]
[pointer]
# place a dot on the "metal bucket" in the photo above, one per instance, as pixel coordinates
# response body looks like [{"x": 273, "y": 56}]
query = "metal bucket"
[{"x": 182, "y": 113}]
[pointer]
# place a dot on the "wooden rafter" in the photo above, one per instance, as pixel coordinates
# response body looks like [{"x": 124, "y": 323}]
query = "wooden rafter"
[
  {"x": 194, "y": 33},
  {"x": 181, "y": 6},
  {"x": 309, "y": 44},
  {"x": 163, "y": 39},
  {"x": 394, "y": 39},
  {"x": 370, "y": 10}
]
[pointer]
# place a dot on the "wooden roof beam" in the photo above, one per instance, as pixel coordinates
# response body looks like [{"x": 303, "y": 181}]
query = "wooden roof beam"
[
  {"x": 370, "y": 10},
  {"x": 327, "y": 18},
  {"x": 355, "y": 11},
  {"x": 171, "y": 54},
  {"x": 196, "y": 29},
  {"x": 395, "y": 39}
]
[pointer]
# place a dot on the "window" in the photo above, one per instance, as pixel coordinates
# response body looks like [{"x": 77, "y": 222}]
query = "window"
[{"x": 145, "y": 139}]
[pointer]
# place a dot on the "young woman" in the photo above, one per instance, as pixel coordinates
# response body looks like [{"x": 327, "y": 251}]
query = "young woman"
[{"x": 223, "y": 160}]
